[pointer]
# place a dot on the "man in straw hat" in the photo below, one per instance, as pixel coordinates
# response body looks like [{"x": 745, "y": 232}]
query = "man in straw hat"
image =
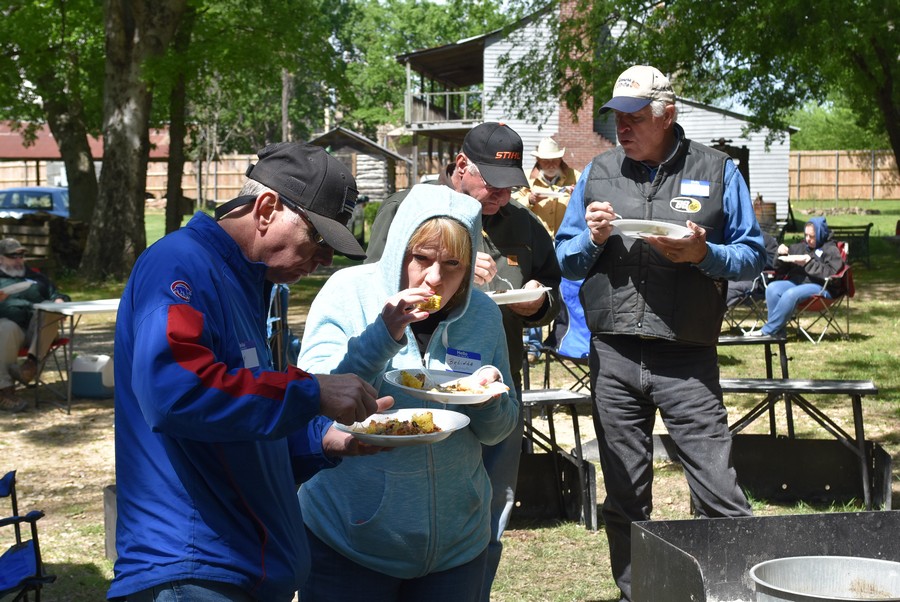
[
  {"x": 211, "y": 441},
  {"x": 654, "y": 303},
  {"x": 550, "y": 184}
]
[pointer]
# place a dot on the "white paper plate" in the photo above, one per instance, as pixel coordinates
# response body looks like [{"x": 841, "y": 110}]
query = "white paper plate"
[
  {"x": 792, "y": 257},
  {"x": 17, "y": 287},
  {"x": 439, "y": 377},
  {"x": 447, "y": 420},
  {"x": 518, "y": 295},
  {"x": 642, "y": 228},
  {"x": 549, "y": 193}
]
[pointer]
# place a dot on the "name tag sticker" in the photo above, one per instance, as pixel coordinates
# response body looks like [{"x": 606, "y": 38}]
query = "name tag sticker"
[
  {"x": 248, "y": 351},
  {"x": 459, "y": 360},
  {"x": 695, "y": 188}
]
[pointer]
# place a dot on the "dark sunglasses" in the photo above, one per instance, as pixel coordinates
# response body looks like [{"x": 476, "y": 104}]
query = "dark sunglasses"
[{"x": 19, "y": 255}]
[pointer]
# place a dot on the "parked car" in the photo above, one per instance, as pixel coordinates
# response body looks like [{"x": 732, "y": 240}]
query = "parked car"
[{"x": 16, "y": 202}]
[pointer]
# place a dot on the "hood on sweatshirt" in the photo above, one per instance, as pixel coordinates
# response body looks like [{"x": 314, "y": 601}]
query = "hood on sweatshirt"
[
  {"x": 823, "y": 233},
  {"x": 423, "y": 203}
]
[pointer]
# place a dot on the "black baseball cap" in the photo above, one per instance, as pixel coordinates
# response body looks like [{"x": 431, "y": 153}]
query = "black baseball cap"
[
  {"x": 306, "y": 176},
  {"x": 497, "y": 151}
]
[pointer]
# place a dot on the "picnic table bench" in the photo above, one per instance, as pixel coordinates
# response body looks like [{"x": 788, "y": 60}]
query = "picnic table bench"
[
  {"x": 857, "y": 239},
  {"x": 796, "y": 392}
]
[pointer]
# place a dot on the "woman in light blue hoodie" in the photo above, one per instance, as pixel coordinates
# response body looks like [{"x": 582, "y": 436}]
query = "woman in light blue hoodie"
[{"x": 412, "y": 524}]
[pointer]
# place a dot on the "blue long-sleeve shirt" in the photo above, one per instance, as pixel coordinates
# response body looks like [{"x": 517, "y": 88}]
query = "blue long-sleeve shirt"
[{"x": 738, "y": 258}]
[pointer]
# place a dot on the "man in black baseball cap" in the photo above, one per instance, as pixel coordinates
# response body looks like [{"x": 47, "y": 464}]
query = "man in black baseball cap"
[
  {"x": 311, "y": 183},
  {"x": 197, "y": 391},
  {"x": 497, "y": 151},
  {"x": 517, "y": 252}
]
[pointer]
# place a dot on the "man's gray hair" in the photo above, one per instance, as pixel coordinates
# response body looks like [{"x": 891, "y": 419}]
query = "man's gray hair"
[
  {"x": 658, "y": 107},
  {"x": 254, "y": 188}
]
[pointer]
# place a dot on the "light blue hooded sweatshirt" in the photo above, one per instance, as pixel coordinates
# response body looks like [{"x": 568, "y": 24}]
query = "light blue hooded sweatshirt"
[{"x": 420, "y": 509}]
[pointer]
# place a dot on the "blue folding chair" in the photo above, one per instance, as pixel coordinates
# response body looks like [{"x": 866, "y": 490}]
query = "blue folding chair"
[
  {"x": 21, "y": 567},
  {"x": 568, "y": 343}
]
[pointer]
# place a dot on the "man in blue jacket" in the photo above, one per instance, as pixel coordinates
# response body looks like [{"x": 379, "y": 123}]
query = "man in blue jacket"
[
  {"x": 211, "y": 442},
  {"x": 654, "y": 303}
]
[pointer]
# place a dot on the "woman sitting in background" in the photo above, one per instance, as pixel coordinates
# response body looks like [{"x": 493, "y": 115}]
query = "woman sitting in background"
[{"x": 800, "y": 275}]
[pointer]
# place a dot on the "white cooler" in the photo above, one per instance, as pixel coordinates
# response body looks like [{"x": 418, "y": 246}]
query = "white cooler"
[{"x": 92, "y": 376}]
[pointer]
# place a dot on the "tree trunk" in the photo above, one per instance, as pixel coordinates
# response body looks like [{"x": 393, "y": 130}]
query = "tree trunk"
[
  {"x": 135, "y": 31},
  {"x": 177, "y": 129},
  {"x": 72, "y": 137}
]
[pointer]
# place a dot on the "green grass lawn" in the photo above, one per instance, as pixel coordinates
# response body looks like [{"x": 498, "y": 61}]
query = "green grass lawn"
[{"x": 552, "y": 560}]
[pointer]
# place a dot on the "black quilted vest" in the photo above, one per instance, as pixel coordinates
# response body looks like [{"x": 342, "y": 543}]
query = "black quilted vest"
[{"x": 634, "y": 290}]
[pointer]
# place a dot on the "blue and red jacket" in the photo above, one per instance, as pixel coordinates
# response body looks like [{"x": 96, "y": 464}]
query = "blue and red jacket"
[{"x": 210, "y": 441}]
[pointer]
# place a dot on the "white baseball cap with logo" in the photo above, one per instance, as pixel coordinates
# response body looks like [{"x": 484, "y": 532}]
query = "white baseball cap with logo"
[{"x": 637, "y": 87}]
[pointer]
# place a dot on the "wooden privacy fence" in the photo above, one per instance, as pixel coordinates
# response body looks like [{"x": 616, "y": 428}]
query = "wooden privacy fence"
[{"x": 844, "y": 175}]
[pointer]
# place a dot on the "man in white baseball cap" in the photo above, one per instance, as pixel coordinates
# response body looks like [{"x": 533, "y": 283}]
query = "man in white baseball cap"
[
  {"x": 654, "y": 305},
  {"x": 637, "y": 87}
]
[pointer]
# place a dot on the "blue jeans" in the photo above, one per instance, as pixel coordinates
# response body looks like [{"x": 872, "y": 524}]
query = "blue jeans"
[
  {"x": 634, "y": 379},
  {"x": 193, "y": 590},
  {"x": 782, "y": 296},
  {"x": 533, "y": 340},
  {"x": 336, "y": 578}
]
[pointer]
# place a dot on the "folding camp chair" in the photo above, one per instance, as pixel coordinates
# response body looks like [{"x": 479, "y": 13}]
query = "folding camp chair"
[
  {"x": 568, "y": 343},
  {"x": 21, "y": 567},
  {"x": 574, "y": 495},
  {"x": 822, "y": 313},
  {"x": 747, "y": 312},
  {"x": 58, "y": 352},
  {"x": 827, "y": 313}
]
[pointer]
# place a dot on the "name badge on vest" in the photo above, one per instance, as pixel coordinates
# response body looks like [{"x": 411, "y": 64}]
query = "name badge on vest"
[
  {"x": 463, "y": 361},
  {"x": 248, "y": 352},
  {"x": 695, "y": 188}
]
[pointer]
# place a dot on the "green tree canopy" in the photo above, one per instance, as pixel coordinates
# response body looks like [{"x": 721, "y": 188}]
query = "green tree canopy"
[
  {"x": 376, "y": 32},
  {"x": 832, "y": 127},
  {"x": 770, "y": 56}
]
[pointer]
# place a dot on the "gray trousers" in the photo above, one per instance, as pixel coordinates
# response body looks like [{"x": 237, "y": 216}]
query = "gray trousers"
[{"x": 633, "y": 378}]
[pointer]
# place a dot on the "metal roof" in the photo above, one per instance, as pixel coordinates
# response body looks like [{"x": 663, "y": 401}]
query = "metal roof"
[
  {"x": 13, "y": 146},
  {"x": 340, "y": 138},
  {"x": 457, "y": 65}
]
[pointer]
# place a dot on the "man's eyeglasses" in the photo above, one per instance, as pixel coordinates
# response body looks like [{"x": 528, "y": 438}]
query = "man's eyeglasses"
[
  {"x": 19, "y": 255},
  {"x": 314, "y": 234}
]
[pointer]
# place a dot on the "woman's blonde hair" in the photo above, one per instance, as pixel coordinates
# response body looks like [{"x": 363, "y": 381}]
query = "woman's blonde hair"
[{"x": 455, "y": 238}]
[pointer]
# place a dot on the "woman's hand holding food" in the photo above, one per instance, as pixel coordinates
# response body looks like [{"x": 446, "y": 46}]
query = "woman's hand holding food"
[{"x": 407, "y": 306}]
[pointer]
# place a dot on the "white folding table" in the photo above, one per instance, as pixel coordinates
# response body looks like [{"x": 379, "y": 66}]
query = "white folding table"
[{"x": 73, "y": 312}]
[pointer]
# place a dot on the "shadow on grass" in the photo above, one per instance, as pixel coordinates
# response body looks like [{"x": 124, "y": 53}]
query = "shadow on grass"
[{"x": 75, "y": 583}]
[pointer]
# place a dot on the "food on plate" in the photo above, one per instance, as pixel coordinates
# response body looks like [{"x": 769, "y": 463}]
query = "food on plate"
[
  {"x": 655, "y": 231},
  {"x": 420, "y": 424},
  {"x": 432, "y": 303},
  {"x": 460, "y": 386},
  {"x": 414, "y": 381}
]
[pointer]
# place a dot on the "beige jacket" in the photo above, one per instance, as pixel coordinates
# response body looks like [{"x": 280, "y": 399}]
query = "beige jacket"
[{"x": 549, "y": 209}]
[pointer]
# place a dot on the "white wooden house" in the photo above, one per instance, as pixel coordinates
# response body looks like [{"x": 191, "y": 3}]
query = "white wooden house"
[{"x": 479, "y": 57}]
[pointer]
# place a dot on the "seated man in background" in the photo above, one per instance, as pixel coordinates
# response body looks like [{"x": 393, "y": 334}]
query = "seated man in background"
[{"x": 20, "y": 288}]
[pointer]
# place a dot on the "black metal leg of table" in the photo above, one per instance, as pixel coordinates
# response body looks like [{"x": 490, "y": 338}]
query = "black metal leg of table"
[{"x": 861, "y": 446}]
